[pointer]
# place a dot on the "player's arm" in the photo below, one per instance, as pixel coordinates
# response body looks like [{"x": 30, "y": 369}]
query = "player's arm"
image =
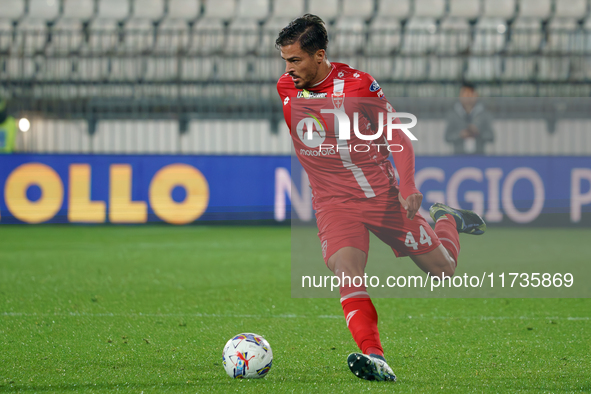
[{"x": 374, "y": 102}]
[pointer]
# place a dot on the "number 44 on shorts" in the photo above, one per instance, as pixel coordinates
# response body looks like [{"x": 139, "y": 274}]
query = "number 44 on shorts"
[{"x": 423, "y": 239}]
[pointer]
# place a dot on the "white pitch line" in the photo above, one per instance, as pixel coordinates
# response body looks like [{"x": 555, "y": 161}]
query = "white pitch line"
[{"x": 280, "y": 316}]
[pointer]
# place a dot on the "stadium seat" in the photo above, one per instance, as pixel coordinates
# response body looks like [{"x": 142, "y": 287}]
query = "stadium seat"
[
  {"x": 328, "y": 10},
  {"x": 349, "y": 36},
  {"x": 553, "y": 68},
  {"x": 243, "y": 32},
  {"x": 384, "y": 29},
  {"x": 393, "y": 9},
  {"x": 466, "y": 9},
  {"x": 419, "y": 36},
  {"x": 207, "y": 36},
  {"x": 231, "y": 68},
  {"x": 564, "y": 36},
  {"x": 197, "y": 68},
  {"x": 269, "y": 34},
  {"x": 526, "y": 36},
  {"x": 30, "y": 36},
  {"x": 103, "y": 31},
  {"x": 575, "y": 9},
  {"x": 489, "y": 36},
  {"x": 454, "y": 36},
  {"x": 92, "y": 68},
  {"x": 484, "y": 68},
  {"x": 504, "y": 9},
  {"x": 172, "y": 36},
  {"x": 429, "y": 9},
  {"x": 351, "y": 29},
  {"x": 380, "y": 68},
  {"x": 127, "y": 68},
  {"x": 535, "y": 9},
  {"x": 384, "y": 37},
  {"x": 67, "y": 35},
  {"x": 268, "y": 69},
  {"x": 447, "y": 68},
  {"x": 410, "y": 68},
  {"x": 162, "y": 68},
  {"x": 519, "y": 68},
  {"x": 138, "y": 31},
  {"x": 5, "y": 35},
  {"x": 287, "y": 9},
  {"x": 12, "y": 9}
]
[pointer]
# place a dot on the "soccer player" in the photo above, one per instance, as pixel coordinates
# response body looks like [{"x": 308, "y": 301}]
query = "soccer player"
[{"x": 357, "y": 192}]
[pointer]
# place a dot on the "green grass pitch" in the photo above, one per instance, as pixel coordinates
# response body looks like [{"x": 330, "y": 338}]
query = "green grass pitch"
[{"x": 149, "y": 308}]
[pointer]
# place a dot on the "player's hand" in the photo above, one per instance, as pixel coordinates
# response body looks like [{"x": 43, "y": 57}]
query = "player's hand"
[{"x": 411, "y": 204}]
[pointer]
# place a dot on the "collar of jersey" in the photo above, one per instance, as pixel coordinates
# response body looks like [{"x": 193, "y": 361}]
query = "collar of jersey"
[{"x": 324, "y": 80}]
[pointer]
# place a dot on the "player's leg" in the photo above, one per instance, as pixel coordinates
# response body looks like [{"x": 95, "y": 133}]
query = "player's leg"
[{"x": 449, "y": 223}]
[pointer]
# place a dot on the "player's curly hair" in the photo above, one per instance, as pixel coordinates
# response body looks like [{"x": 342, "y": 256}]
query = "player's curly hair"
[{"x": 309, "y": 30}]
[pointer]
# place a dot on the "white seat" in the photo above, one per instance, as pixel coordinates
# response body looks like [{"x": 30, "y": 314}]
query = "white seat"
[
  {"x": 67, "y": 36},
  {"x": 466, "y": 9},
  {"x": 269, "y": 34},
  {"x": 268, "y": 70},
  {"x": 127, "y": 68},
  {"x": 138, "y": 36},
  {"x": 538, "y": 9},
  {"x": 5, "y": 35},
  {"x": 162, "y": 68},
  {"x": 490, "y": 35},
  {"x": 357, "y": 9},
  {"x": 242, "y": 36},
  {"x": 553, "y": 68},
  {"x": 429, "y": 9},
  {"x": 58, "y": 68},
  {"x": 454, "y": 36},
  {"x": 349, "y": 36},
  {"x": 172, "y": 36},
  {"x": 20, "y": 67},
  {"x": 419, "y": 36},
  {"x": 287, "y": 9},
  {"x": 384, "y": 36},
  {"x": 116, "y": 10},
  {"x": 484, "y": 68},
  {"x": 564, "y": 36},
  {"x": 526, "y": 35},
  {"x": 183, "y": 9},
  {"x": 78, "y": 9},
  {"x": 30, "y": 36},
  {"x": 446, "y": 68},
  {"x": 92, "y": 68},
  {"x": 103, "y": 35},
  {"x": 393, "y": 9},
  {"x": 410, "y": 68},
  {"x": 504, "y": 9},
  {"x": 197, "y": 68},
  {"x": 328, "y": 10},
  {"x": 207, "y": 36},
  {"x": 219, "y": 10},
  {"x": 47, "y": 10},
  {"x": 380, "y": 68},
  {"x": 519, "y": 68},
  {"x": 231, "y": 69},
  {"x": 253, "y": 9},
  {"x": 570, "y": 9},
  {"x": 12, "y": 9},
  {"x": 148, "y": 9}
]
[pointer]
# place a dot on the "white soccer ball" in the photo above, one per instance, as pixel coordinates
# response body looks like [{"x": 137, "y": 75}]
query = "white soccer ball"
[{"x": 247, "y": 356}]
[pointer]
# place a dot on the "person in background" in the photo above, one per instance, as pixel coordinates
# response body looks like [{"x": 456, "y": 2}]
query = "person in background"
[
  {"x": 7, "y": 130},
  {"x": 469, "y": 125}
]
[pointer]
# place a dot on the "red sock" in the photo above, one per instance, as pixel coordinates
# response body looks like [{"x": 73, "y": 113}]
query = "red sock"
[
  {"x": 446, "y": 231},
  {"x": 362, "y": 319}
]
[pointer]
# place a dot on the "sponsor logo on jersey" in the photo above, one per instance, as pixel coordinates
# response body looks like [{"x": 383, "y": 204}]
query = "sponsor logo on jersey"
[
  {"x": 311, "y": 130},
  {"x": 356, "y": 75},
  {"x": 311, "y": 95},
  {"x": 286, "y": 101},
  {"x": 381, "y": 94},
  {"x": 374, "y": 87}
]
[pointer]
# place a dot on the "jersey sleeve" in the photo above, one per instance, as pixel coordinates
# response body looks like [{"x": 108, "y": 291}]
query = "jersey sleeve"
[{"x": 404, "y": 161}]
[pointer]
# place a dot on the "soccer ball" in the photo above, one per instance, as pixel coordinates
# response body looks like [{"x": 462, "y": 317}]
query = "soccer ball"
[{"x": 247, "y": 356}]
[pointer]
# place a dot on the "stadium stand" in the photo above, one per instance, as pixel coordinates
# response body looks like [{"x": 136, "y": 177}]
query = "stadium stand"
[{"x": 98, "y": 60}]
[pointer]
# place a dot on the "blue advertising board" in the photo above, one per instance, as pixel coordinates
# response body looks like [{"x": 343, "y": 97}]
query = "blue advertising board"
[{"x": 183, "y": 189}]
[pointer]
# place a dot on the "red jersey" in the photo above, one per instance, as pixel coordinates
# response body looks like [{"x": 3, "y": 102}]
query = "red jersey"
[{"x": 349, "y": 172}]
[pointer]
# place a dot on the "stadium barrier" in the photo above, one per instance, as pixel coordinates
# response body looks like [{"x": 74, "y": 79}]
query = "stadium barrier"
[{"x": 544, "y": 191}]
